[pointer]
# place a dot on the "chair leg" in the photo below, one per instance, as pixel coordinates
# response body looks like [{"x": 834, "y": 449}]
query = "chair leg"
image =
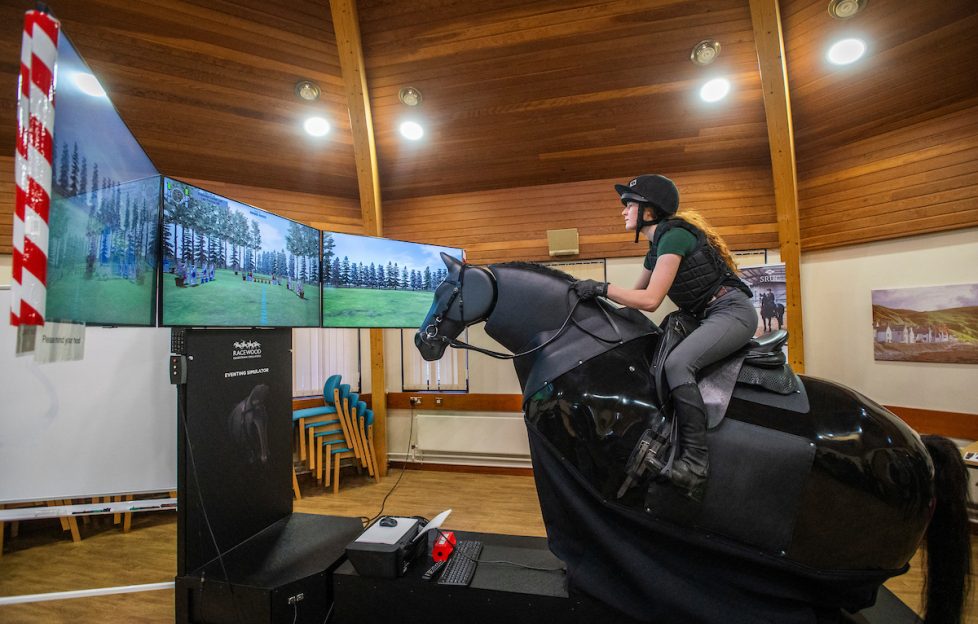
[
  {"x": 336, "y": 477},
  {"x": 295, "y": 485},
  {"x": 319, "y": 465},
  {"x": 302, "y": 439},
  {"x": 368, "y": 453},
  {"x": 326, "y": 466},
  {"x": 312, "y": 445}
]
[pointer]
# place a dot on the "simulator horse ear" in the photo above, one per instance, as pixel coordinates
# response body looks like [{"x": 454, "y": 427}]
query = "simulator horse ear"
[{"x": 450, "y": 262}]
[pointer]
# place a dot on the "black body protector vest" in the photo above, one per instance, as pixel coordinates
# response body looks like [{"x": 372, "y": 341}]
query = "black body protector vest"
[{"x": 701, "y": 272}]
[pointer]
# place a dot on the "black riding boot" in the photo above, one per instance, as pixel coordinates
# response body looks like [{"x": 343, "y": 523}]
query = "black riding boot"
[{"x": 689, "y": 470}]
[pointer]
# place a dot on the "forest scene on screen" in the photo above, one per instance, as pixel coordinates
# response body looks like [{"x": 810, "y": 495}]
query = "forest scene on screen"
[
  {"x": 105, "y": 206},
  {"x": 377, "y": 282},
  {"x": 228, "y": 264}
]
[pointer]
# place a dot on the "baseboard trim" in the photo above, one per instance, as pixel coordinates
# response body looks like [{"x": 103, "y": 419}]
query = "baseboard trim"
[
  {"x": 497, "y": 470},
  {"x": 936, "y": 422}
]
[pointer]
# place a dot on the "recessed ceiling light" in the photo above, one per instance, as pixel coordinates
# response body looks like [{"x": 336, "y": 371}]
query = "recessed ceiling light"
[
  {"x": 715, "y": 90},
  {"x": 844, "y": 9},
  {"x": 88, "y": 84},
  {"x": 316, "y": 126},
  {"x": 307, "y": 90},
  {"x": 412, "y": 130},
  {"x": 846, "y": 51},
  {"x": 409, "y": 96},
  {"x": 705, "y": 52}
]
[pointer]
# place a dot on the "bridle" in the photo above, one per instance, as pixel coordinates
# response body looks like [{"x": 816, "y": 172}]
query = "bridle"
[{"x": 431, "y": 331}]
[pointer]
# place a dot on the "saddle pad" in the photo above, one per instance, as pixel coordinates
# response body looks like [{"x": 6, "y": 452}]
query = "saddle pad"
[{"x": 781, "y": 380}]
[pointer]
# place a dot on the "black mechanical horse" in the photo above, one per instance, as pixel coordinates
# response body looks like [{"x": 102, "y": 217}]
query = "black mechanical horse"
[{"x": 816, "y": 494}]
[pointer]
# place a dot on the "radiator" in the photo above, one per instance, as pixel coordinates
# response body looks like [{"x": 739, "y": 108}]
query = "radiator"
[{"x": 462, "y": 437}]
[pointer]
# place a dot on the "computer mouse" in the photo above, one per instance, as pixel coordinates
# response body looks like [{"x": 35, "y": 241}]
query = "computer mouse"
[{"x": 387, "y": 521}]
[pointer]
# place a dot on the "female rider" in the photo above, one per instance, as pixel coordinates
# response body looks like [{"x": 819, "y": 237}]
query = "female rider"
[{"x": 689, "y": 261}]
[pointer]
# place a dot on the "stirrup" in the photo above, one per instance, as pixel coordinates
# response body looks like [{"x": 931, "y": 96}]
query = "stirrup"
[{"x": 648, "y": 455}]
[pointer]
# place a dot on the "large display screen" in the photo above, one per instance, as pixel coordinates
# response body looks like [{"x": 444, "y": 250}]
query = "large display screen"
[
  {"x": 378, "y": 282},
  {"x": 105, "y": 208},
  {"x": 227, "y": 264}
]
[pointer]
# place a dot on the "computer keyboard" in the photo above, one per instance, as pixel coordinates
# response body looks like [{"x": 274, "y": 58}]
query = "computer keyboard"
[{"x": 462, "y": 563}]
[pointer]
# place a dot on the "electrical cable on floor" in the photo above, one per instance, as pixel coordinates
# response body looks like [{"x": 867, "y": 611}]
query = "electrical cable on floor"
[{"x": 403, "y": 470}]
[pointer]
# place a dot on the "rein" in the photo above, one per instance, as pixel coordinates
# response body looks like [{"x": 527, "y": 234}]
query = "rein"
[{"x": 431, "y": 331}]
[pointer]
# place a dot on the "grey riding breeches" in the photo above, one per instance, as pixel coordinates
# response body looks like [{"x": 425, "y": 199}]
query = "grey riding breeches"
[{"x": 728, "y": 323}]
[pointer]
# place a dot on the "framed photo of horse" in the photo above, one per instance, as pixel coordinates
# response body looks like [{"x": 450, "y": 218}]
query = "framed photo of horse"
[
  {"x": 926, "y": 324},
  {"x": 767, "y": 282}
]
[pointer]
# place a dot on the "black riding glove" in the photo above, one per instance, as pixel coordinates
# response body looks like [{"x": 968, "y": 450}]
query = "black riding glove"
[{"x": 589, "y": 289}]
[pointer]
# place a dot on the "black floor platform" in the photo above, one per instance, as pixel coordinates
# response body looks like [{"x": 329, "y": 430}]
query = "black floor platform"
[
  {"x": 508, "y": 594},
  {"x": 295, "y": 556}
]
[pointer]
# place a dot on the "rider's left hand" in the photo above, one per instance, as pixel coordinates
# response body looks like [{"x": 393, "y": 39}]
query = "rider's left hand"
[{"x": 589, "y": 289}]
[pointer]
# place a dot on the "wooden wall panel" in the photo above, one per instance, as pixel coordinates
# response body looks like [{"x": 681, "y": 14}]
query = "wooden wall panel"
[
  {"x": 512, "y": 224},
  {"x": 917, "y": 179}
]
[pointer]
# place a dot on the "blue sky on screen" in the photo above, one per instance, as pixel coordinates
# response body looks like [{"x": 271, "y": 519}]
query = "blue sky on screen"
[
  {"x": 92, "y": 122},
  {"x": 273, "y": 228},
  {"x": 367, "y": 249},
  {"x": 928, "y": 298}
]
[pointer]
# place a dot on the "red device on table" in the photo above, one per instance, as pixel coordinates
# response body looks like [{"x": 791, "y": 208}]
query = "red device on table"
[{"x": 444, "y": 546}]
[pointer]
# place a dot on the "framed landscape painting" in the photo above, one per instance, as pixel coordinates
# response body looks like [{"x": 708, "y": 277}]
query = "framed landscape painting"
[{"x": 927, "y": 324}]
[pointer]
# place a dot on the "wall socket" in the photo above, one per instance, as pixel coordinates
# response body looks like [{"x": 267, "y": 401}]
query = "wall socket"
[
  {"x": 296, "y": 598},
  {"x": 439, "y": 400},
  {"x": 415, "y": 401}
]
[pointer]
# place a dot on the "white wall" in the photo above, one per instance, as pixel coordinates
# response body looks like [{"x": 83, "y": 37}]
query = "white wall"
[
  {"x": 836, "y": 287},
  {"x": 5, "y": 267}
]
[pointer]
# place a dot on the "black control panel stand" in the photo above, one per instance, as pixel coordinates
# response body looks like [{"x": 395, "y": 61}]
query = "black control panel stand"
[{"x": 243, "y": 556}]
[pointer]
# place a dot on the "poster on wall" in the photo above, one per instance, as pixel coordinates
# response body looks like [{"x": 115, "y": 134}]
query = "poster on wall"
[
  {"x": 926, "y": 324},
  {"x": 767, "y": 282}
]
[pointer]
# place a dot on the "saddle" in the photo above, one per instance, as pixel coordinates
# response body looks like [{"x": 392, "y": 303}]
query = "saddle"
[{"x": 761, "y": 363}]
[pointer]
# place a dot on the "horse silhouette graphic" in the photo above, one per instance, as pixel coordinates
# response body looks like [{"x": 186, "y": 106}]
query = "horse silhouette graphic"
[{"x": 248, "y": 424}]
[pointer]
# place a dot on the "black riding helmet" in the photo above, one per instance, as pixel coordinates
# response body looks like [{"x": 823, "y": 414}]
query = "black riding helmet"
[{"x": 656, "y": 191}]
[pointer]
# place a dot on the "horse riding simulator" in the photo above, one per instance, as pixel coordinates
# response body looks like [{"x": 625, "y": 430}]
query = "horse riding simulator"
[{"x": 817, "y": 494}]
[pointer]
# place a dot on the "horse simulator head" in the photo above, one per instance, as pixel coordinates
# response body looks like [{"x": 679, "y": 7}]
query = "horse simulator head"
[{"x": 465, "y": 297}]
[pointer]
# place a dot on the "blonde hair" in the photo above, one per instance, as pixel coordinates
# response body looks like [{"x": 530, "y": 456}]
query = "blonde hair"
[{"x": 711, "y": 235}]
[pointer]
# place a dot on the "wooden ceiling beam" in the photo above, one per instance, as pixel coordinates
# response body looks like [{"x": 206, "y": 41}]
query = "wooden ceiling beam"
[
  {"x": 769, "y": 41},
  {"x": 350, "y": 49},
  {"x": 346, "y": 25}
]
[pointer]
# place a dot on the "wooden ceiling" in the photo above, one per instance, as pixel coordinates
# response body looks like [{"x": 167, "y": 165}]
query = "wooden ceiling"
[{"x": 516, "y": 93}]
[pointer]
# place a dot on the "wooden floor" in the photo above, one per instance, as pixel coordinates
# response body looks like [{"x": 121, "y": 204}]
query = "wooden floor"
[{"x": 42, "y": 559}]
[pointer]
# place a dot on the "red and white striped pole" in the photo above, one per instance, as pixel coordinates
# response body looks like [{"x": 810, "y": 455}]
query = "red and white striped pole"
[
  {"x": 20, "y": 165},
  {"x": 40, "y": 150}
]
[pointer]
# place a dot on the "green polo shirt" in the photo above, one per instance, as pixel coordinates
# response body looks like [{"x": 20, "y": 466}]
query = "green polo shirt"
[{"x": 679, "y": 241}]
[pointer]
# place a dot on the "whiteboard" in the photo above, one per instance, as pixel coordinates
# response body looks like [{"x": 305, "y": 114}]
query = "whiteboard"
[{"x": 104, "y": 425}]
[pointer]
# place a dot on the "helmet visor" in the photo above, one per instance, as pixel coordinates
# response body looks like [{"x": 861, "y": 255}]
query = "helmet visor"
[{"x": 632, "y": 197}]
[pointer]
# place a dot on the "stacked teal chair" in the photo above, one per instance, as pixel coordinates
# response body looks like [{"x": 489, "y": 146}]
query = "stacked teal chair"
[
  {"x": 310, "y": 417},
  {"x": 364, "y": 419},
  {"x": 337, "y": 444},
  {"x": 316, "y": 429}
]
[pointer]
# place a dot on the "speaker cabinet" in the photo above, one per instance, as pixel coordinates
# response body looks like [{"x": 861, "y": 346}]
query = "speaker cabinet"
[{"x": 563, "y": 242}]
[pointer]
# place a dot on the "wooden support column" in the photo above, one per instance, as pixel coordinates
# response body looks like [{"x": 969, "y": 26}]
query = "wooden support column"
[
  {"x": 346, "y": 26},
  {"x": 769, "y": 42}
]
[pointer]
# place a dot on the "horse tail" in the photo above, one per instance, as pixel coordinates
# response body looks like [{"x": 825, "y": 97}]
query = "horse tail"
[{"x": 948, "y": 537}]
